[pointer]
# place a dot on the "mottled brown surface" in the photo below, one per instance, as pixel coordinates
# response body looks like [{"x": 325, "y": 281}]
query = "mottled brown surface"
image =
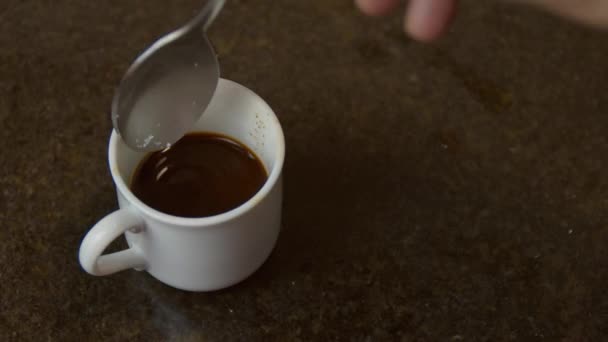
[{"x": 453, "y": 192}]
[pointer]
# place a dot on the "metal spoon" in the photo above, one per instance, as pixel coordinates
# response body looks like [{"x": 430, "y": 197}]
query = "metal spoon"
[{"x": 168, "y": 87}]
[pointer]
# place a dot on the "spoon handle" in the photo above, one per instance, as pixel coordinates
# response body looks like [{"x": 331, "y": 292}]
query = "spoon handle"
[{"x": 207, "y": 15}]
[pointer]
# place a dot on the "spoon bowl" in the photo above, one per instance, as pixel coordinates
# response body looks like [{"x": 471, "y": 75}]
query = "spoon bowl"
[{"x": 169, "y": 86}]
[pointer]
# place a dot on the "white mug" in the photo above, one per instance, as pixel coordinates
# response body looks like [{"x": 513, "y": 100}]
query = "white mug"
[{"x": 197, "y": 254}]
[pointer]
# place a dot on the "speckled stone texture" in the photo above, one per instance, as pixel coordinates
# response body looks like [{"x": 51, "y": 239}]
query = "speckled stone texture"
[{"x": 448, "y": 192}]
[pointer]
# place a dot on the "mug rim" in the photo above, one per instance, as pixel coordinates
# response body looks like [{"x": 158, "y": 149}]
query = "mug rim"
[{"x": 193, "y": 222}]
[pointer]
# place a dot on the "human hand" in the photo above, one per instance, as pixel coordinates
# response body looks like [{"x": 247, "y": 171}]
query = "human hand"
[{"x": 426, "y": 20}]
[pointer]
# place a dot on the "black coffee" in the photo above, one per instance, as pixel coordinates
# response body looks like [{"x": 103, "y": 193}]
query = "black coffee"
[{"x": 203, "y": 174}]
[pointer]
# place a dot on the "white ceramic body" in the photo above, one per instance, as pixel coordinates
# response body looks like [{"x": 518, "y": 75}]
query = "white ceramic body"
[{"x": 200, "y": 254}]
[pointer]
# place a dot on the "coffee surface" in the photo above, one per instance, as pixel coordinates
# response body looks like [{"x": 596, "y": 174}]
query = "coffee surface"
[{"x": 203, "y": 174}]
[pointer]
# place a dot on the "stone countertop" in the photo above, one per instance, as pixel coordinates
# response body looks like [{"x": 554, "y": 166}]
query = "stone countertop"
[{"x": 447, "y": 192}]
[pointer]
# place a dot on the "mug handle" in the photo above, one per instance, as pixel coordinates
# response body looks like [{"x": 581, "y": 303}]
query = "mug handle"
[{"x": 100, "y": 237}]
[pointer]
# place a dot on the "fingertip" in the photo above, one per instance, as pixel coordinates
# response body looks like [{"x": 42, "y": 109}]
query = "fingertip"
[
  {"x": 420, "y": 33},
  {"x": 427, "y": 20},
  {"x": 376, "y": 7}
]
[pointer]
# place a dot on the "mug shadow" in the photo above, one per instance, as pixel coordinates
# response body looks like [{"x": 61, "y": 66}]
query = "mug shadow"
[{"x": 329, "y": 197}]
